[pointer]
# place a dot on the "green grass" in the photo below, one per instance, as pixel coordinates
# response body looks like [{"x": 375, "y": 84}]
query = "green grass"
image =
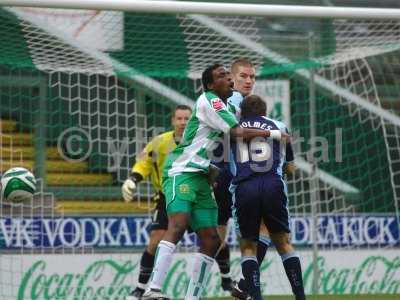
[{"x": 330, "y": 297}]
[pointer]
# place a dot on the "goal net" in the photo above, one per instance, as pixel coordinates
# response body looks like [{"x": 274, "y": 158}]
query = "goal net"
[{"x": 82, "y": 92}]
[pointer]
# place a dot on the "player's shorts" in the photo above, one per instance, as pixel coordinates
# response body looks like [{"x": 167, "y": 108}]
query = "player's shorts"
[
  {"x": 260, "y": 198},
  {"x": 223, "y": 197},
  {"x": 191, "y": 193},
  {"x": 160, "y": 217}
]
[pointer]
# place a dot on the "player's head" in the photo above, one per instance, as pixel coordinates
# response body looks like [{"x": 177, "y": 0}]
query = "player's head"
[
  {"x": 180, "y": 118},
  {"x": 253, "y": 106},
  {"x": 243, "y": 76},
  {"x": 217, "y": 79}
]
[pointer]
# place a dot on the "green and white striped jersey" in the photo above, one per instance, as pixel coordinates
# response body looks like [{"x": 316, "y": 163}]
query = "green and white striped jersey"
[{"x": 210, "y": 118}]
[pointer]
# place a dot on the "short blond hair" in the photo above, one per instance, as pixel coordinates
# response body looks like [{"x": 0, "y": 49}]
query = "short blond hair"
[{"x": 241, "y": 62}]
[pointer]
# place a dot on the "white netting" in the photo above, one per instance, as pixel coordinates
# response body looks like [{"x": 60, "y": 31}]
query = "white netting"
[
  {"x": 205, "y": 44},
  {"x": 76, "y": 71},
  {"x": 93, "y": 85},
  {"x": 359, "y": 39}
]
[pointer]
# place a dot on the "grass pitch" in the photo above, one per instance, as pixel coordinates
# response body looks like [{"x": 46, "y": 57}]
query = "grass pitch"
[{"x": 330, "y": 297}]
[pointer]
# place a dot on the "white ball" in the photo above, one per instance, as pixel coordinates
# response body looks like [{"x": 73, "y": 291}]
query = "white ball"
[{"x": 17, "y": 185}]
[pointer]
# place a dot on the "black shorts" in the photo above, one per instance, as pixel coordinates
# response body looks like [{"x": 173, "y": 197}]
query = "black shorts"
[
  {"x": 223, "y": 197},
  {"x": 260, "y": 198},
  {"x": 160, "y": 217}
]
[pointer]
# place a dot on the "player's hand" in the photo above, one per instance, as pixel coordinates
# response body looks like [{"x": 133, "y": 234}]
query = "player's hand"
[
  {"x": 213, "y": 173},
  {"x": 127, "y": 190},
  {"x": 285, "y": 137}
]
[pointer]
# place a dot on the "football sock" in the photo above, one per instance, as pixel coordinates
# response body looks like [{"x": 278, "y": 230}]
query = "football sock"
[
  {"x": 263, "y": 244},
  {"x": 251, "y": 273},
  {"x": 223, "y": 262},
  {"x": 146, "y": 267},
  {"x": 292, "y": 265},
  {"x": 201, "y": 270},
  {"x": 163, "y": 260}
]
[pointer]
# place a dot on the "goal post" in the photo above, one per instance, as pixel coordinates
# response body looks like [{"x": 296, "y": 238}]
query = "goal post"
[
  {"x": 186, "y": 7},
  {"x": 86, "y": 84}
]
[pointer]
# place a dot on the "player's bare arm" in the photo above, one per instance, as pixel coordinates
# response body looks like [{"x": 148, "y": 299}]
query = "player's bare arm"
[{"x": 249, "y": 133}]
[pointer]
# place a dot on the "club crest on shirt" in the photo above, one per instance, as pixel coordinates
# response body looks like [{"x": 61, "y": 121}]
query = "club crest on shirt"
[{"x": 217, "y": 104}]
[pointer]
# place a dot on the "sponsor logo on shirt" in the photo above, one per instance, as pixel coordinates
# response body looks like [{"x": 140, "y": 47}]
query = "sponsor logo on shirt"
[{"x": 217, "y": 104}]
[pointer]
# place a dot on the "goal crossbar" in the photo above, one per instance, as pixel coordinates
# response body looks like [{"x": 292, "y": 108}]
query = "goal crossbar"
[{"x": 183, "y": 7}]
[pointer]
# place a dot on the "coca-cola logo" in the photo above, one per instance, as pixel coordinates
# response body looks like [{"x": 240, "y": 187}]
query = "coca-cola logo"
[{"x": 113, "y": 278}]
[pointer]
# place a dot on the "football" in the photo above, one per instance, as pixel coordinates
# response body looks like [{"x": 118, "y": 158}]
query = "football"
[{"x": 17, "y": 185}]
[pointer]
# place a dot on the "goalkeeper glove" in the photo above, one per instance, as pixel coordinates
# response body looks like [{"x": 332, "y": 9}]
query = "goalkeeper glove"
[{"x": 127, "y": 189}]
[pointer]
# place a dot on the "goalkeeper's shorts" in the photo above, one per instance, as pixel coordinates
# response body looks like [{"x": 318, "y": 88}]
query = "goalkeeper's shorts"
[
  {"x": 223, "y": 197},
  {"x": 160, "y": 217}
]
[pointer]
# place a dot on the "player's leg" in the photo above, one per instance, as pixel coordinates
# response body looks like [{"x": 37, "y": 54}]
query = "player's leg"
[
  {"x": 179, "y": 195},
  {"x": 247, "y": 217},
  {"x": 264, "y": 242},
  {"x": 146, "y": 264},
  {"x": 177, "y": 224},
  {"x": 278, "y": 226},
  {"x": 203, "y": 261},
  {"x": 158, "y": 228},
  {"x": 224, "y": 201},
  {"x": 291, "y": 263},
  {"x": 223, "y": 260},
  {"x": 204, "y": 223},
  {"x": 250, "y": 268}
]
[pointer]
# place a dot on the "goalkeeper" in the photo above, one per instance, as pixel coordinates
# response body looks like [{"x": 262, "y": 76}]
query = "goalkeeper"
[{"x": 150, "y": 163}]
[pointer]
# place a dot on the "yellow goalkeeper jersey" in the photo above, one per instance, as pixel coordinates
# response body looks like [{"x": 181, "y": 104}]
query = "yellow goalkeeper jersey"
[{"x": 151, "y": 160}]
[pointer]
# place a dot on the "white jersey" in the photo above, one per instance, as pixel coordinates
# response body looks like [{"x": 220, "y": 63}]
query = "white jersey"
[{"x": 210, "y": 119}]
